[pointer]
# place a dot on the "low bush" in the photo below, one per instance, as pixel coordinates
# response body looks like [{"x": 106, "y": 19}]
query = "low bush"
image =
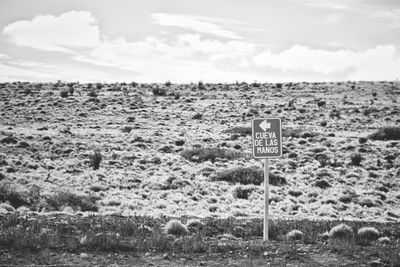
[
  {"x": 295, "y": 235},
  {"x": 64, "y": 93},
  {"x": 297, "y": 133},
  {"x": 242, "y": 192},
  {"x": 63, "y": 199},
  {"x": 248, "y": 175},
  {"x": 175, "y": 227},
  {"x": 341, "y": 232},
  {"x": 367, "y": 234},
  {"x": 386, "y": 133},
  {"x": 203, "y": 154},
  {"x": 241, "y": 130},
  {"x": 157, "y": 91},
  {"x": 18, "y": 195}
]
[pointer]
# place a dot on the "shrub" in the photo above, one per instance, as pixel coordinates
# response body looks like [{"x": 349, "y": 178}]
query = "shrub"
[
  {"x": 203, "y": 154},
  {"x": 92, "y": 94},
  {"x": 95, "y": 160},
  {"x": 64, "y": 93},
  {"x": 386, "y": 133},
  {"x": 78, "y": 202},
  {"x": 295, "y": 235},
  {"x": 296, "y": 133},
  {"x": 18, "y": 195},
  {"x": 356, "y": 159},
  {"x": 201, "y": 86},
  {"x": 157, "y": 91},
  {"x": 341, "y": 232},
  {"x": 242, "y": 192},
  {"x": 175, "y": 227},
  {"x": 242, "y": 130},
  {"x": 194, "y": 225},
  {"x": 367, "y": 234},
  {"x": 322, "y": 184},
  {"x": 248, "y": 175}
]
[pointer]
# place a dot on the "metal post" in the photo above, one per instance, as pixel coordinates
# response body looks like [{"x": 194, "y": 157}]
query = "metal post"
[{"x": 266, "y": 198}]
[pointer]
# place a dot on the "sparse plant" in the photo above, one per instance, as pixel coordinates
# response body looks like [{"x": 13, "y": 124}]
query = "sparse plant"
[{"x": 175, "y": 227}]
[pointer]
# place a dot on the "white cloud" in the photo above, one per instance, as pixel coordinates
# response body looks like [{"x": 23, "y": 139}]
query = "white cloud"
[
  {"x": 187, "y": 57},
  {"x": 379, "y": 63},
  {"x": 50, "y": 33},
  {"x": 195, "y": 23}
]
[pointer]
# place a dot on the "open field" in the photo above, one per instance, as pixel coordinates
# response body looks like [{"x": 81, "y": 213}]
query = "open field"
[{"x": 87, "y": 156}]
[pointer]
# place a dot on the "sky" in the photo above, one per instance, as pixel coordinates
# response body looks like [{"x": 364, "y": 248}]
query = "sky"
[{"x": 185, "y": 41}]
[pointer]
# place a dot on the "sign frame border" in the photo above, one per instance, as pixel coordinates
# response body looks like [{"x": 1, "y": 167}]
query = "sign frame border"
[{"x": 252, "y": 137}]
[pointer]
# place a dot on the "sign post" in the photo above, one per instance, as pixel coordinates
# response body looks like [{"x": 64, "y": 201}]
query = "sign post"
[{"x": 267, "y": 143}]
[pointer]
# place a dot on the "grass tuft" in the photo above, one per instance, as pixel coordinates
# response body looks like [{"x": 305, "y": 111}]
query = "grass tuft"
[
  {"x": 341, "y": 232},
  {"x": 295, "y": 235},
  {"x": 175, "y": 227},
  {"x": 367, "y": 234}
]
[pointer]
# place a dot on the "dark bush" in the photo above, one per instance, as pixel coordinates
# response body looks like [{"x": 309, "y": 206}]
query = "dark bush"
[
  {"x": 296, "y": 133},
  {"x": 157, "y": 91},
  {"x": 18, "y": 195},
  {"x": 356, "y": 159},
  {"x": 386, "y": 133},
  {"x": 242, "y": 192},
  {"x": 322, "y": 184},
  {"x": 203, "y": 154},
  {"x": 95, "y": 160},
  {"x": 92, "y": 94},
  {"x": 64, "y": 93},
  {"x": 242, "y": 130},
  {"x": 249, "y": 175}
]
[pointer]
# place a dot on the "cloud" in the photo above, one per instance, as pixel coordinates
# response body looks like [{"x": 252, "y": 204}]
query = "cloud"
[
  {"x": 12, "y": 70},
  {"x": 50, "y": 33},
  {"x": 187, "y": 57},
  {"x": 368, "y": 64},
  {"x": 195, "y": 23}
]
